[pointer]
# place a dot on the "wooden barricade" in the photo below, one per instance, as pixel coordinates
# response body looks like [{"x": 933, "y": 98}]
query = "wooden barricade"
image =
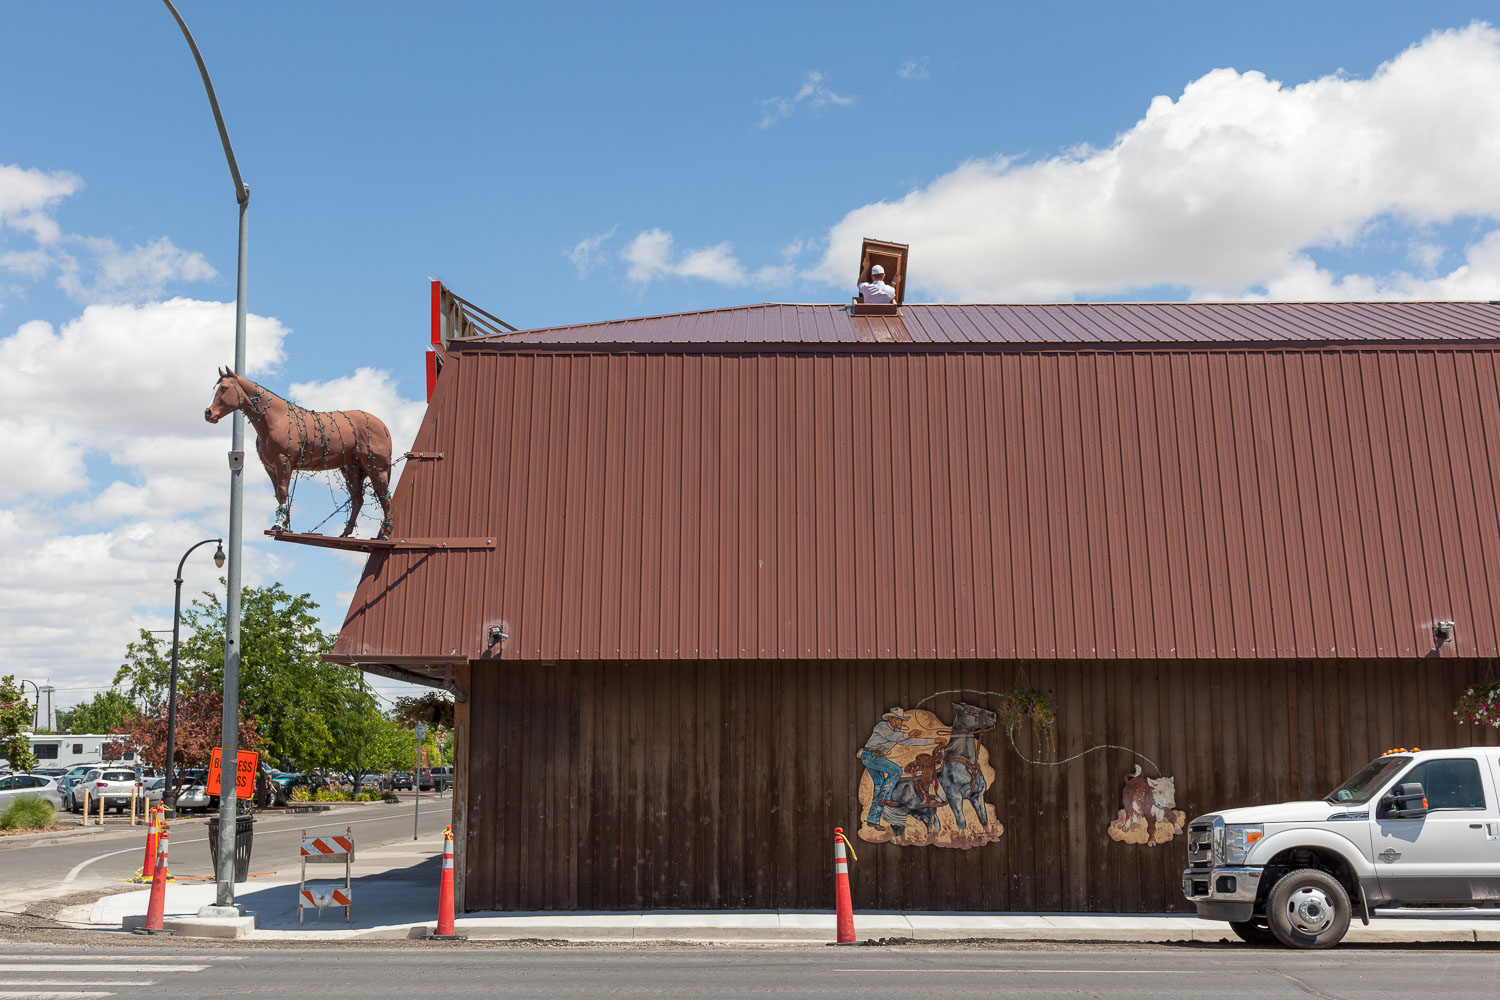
[{"x": 326, "y": 850}]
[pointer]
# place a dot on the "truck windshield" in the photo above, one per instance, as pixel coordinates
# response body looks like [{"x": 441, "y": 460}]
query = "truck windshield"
[{"x": 1371, "y": 778}]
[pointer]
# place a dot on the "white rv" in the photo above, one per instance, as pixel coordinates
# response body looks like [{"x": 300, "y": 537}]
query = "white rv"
[{"x": 65, "y": 751}]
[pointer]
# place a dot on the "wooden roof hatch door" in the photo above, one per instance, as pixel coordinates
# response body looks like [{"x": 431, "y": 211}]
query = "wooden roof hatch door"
[{"x": 891, "y": 257}]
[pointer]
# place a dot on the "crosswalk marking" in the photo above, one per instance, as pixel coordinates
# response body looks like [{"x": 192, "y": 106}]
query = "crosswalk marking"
[
  {"x": 85, "y": 982},
  {"x": 87, "y": 967}
]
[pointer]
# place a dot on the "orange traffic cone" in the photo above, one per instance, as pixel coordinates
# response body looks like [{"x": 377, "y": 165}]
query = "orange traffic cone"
[
  {"x": 445, "y": 893},
  {"x": 158, "y": 904},
  {"x": 148, "y": 866},
  {"x": 843, "y": 904}
]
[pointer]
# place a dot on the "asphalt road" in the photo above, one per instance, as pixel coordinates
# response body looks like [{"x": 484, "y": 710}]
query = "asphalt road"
[
  {"x": 454, "y": 971},
  {"x": 95, "y": 859}
]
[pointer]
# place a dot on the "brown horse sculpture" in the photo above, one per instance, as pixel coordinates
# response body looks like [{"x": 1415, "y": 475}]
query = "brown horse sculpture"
[{"x": 291, "y": 439}]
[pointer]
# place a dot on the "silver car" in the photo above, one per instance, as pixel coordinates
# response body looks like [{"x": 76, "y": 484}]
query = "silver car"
[
  {"x": 13, "y": 786},
  {"x": 114, "y": 785}
]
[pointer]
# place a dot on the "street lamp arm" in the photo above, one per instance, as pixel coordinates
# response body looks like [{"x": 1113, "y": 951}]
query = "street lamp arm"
[
  {"x": 183, "y": 561},
  {"x": 241, "y": 191}
]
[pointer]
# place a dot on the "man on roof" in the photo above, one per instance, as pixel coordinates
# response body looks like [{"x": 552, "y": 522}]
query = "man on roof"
[{"x": 876, "y": 290}]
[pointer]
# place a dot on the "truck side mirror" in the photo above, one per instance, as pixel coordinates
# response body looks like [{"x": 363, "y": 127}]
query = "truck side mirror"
[{"x": 1406, "y": 801}]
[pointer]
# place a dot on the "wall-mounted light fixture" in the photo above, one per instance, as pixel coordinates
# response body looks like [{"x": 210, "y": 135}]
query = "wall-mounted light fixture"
[{"x": 1442, "y": 632}]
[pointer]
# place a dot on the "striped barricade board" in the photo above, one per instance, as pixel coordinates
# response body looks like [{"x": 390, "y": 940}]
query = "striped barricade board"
[
  {"x": 327, "y": 846},
  {"x": 326, "y": 849},
  {"x": 315, "y": 900}
]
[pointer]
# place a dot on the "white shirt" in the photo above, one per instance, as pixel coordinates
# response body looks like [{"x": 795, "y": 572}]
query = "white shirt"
[{"x": 877, "y": 291}]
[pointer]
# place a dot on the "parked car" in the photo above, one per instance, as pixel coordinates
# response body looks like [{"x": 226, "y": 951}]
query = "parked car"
[
  {"x": 13, "y": 786},
  {"x": 401, "y": 780},
  {"x": 193, "y": 794},
  {"x": 114, "y": 785},
  {"x": 1411, "y": 828},
  {"x": 442, "y": 778},
  {"x": 65, "y": 786},
  {"x": 50, "y": 772}
]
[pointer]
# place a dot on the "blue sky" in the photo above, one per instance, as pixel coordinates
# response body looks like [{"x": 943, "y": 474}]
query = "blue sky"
[{"x": 563, "y": 163}]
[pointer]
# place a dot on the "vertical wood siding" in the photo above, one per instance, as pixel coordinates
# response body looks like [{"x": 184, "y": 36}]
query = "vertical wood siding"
[
  {"x": 1156, "y": 504},
  {"x": 718, "y": 784}
]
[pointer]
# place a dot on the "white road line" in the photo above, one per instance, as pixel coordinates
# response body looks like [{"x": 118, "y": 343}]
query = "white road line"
[
  {"x": 86, "y": 982},
  {"x": 50, "y": 994},
  {"x": 1041, "y": 971},
  {"x": 93, "y": 967},
  {"x": 78, "y": 868}
]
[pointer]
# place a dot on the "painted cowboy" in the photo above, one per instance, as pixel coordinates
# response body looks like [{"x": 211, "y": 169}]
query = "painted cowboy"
[{"x": 889, "y": 732}]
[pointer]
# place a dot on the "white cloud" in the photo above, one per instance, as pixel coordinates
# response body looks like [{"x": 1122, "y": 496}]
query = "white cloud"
[
  {"x": 27, "y": 195},
  {"x": 142, "y": 272},
  {"x": 913, "y": 69},
  {"x": 1226, "y": 188},
  {"x": 812, "y": 94},
  {"x": 118, "y": 391},
  {"x": 585, "y": 254},
  {"x": 89, "y": 268},
  {"x": 652, "y": 255}
]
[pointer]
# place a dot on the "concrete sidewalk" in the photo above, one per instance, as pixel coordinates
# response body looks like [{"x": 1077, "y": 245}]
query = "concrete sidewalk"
[{"x": 395, "y": 894}]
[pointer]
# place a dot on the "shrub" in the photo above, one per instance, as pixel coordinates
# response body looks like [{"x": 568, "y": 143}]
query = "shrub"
[
  {"x": 27, "y": 812},
  {"x": 331, "y": 795},
  {"x": 302, "y": 794},
  {"x": 389, "y": 797}
]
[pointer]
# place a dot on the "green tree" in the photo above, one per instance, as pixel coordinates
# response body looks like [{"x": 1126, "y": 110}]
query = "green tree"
[
  {"x": 15, "y": 721},
  {"x": 372, "y": 743},
  {"x": 300, "y": 704},
  {"x": 103, "y": 713}
]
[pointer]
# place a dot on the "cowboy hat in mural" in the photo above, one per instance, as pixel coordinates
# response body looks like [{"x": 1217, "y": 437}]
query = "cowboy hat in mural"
[
  {"x": 290, "y": 439},
  {"x": 1150, "y": 815},
  {"x": 925, "y": 780}
]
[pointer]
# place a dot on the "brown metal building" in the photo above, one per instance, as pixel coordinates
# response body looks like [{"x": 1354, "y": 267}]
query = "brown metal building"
[{"x": 678, "y": 567}]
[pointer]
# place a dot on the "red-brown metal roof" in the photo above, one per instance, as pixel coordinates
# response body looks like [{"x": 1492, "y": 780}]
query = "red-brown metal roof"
[
  {"x": 1230, "y": 502},
  {"x": 1073, "y": 323}
]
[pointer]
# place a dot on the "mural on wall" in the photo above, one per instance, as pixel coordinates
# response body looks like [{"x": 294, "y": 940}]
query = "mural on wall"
[
  {"x": 925, "y": 780},
  {"x": 1149, "y": 815}
]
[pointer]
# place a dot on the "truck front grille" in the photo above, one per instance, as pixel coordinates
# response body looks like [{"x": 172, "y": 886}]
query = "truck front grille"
[{"x": 1200, "y": 845}]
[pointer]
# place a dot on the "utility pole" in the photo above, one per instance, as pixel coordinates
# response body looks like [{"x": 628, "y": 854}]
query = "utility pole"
[{"x": 224, "y": 899}]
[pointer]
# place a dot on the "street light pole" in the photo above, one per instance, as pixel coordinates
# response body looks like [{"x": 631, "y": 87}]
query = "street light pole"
[
  {"x": 37, "y": 707},
  {"x": 231, "y": 731},
  {"x": 166, "y": 787}
]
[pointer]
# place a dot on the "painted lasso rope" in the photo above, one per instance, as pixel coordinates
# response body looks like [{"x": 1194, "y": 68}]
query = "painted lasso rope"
[{"x": 1041, "y": 763}]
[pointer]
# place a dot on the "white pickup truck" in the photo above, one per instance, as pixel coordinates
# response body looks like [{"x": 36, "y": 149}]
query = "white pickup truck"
[{"x": 1412, "y": 827}]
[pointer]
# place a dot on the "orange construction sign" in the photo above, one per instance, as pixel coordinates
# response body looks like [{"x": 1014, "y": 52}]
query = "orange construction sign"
[{"x": 244, "y": 776}]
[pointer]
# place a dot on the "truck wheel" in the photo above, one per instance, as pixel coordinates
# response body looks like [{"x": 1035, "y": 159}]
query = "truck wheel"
[
  {"x": 1253, "y": 932},
  {"x": 1308, "y": 909}
]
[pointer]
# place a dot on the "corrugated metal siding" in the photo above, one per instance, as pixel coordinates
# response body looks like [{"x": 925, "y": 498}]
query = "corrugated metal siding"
[
  {"x": 1064, "y": 323},
  {"x": 628, "y": 786},
  {"x": 1127, "y": 503}
]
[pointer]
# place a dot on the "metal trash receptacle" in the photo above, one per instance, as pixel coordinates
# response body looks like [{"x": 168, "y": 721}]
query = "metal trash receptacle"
[{"x": 244, "y": 839}]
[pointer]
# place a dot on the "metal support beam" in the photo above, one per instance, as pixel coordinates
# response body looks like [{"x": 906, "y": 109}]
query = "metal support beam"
[{"x": 396, "y": 673}]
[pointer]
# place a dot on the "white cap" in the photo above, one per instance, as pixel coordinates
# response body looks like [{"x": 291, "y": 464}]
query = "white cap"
[{"x": 877, "y": 269}]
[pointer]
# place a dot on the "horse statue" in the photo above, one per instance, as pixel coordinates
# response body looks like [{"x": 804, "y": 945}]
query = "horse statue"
[
  {"x": 955, "y": 769},
  {"x": 291, "y": 439}
]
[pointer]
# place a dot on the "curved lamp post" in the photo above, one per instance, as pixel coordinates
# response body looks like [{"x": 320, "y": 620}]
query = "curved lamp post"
[
  {"x": 37, "y": 694},
  {"x": 230, "y": 737},
  {"x": 167, "y": 789}
]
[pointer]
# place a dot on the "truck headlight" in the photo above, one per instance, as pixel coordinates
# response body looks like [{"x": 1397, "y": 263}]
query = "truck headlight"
[{"x": 1238, "y": 839}]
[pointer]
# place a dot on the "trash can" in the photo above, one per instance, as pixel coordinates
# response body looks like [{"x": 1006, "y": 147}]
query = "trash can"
[{"x": 244, "y": 838}]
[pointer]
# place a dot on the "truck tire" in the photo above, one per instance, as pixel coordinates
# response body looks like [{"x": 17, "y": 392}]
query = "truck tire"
[
  {"x": 1253, "y": 932},
  {"x": 1308, "y": 908}
]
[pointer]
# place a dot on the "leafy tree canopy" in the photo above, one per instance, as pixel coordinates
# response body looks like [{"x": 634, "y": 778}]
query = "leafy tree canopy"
[
  {"x": 103, "y": 713},
  {"x": 303, "y": 708},
  {"x": 15, "y": 720}
]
